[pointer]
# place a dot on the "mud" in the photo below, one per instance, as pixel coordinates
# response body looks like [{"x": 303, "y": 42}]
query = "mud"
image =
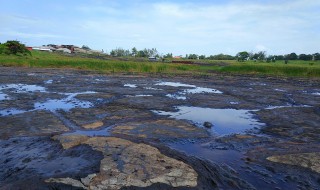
[{"x": 71, "y": 129}]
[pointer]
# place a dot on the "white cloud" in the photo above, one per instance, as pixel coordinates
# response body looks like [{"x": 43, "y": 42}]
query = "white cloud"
[
  {"x": 203, "y": 28},
  {"x": 30, "y": 35}
]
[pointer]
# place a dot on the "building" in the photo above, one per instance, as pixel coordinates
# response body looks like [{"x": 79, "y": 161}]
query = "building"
[
  {"x": 64, "y": 50},
  {"x": 44, "y": 48},
  {"x": 153, "y": 59}
]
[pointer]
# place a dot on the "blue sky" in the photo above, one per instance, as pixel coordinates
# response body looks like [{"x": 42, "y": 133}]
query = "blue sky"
[{"x": 179, "y": 27}]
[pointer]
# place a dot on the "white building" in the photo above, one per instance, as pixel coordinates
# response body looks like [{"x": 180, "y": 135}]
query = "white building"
[
  {"x": 64, "y": 50},
  {"x": 44, "y": 48}
]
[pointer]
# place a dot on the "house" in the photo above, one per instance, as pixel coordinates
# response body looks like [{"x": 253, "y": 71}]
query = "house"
[
  {"x": 64, "y": 50},
  {"x": 44, "y": 48},
  {"x": 87, "y": 51},
  {"x": 177, "y": 57},
  {"x": 153, "y": 59},
  {"x": 80, "y": 50}
]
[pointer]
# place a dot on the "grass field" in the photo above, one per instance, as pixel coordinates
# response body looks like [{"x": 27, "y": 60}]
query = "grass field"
[
  {"x": 293, "y": 68},
  {"x": 54, "y": 60}
]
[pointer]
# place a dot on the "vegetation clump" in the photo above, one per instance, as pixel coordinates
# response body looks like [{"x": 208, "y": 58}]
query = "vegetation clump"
[{"x": 12, "y": 47}]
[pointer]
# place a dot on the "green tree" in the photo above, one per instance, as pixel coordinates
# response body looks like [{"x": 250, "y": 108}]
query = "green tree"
[
  {"x": 261, "y": 55},
  {"x": 291, "y": 56},
  {"x": 85, "y": 47},
  {"x": 242, "y": 56},
  {"x": 2, "y": 48},
  {"x": 221, "y": 57},
  {"x": 153, "y": 52},
  {"x": 120, "y": 52},
  {"x": 202, "y": 57},
  {"x": 305, "y": 57},
  {"x": 316, "y": 56},
  {"x": 271, "y": 58},
  {"x": 14, "y": 47},
  {"x": 193, "y": 56},
  {"x": 134, "y": 51},
  {"x": 168, "y": 55},
  {"x": 146, "y": 52},
  {"x": 141, "y": 53},
  {"x": 279, "y": 57}
]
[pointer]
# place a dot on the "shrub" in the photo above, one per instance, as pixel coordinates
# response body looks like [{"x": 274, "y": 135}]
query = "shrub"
[{"x": 14, "y": 47}]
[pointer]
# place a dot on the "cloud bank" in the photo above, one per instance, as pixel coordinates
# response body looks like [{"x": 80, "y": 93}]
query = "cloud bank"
[{"x": 180, "y": 27}]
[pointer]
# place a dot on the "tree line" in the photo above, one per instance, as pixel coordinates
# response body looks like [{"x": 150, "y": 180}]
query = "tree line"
[
  {"x": 134, "y": 52},
  {"x": 16, "y": 48},
  {"x": 262, "y": 56},
  {"x": 241, "y": 56}
]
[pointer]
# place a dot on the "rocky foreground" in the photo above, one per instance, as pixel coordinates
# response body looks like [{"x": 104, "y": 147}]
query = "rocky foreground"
[{"x": 68, "y": 129}]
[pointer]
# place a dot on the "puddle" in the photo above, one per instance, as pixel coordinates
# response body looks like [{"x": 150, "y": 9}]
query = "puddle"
[
  {"x": 150, "y": 88},
  {"x": 12, "y": 111},
  {"x": 23, "y": 88},
  {"x": 232, "y": 161},
  {"x": 316, "y": 93},
  {"x": 176, "y": 96},
  {"x": 101, "y": 80},
  {"x": 48, "y": 82},
  {"x": 4, "y": 96},
  {"x": 225, "y": 121},
  {"x": 280, "y": 90},
  {"x": 53, "y": 105},
  {"x": 194, "y": 90},
  {"x": 90, "y": 133},
  {"x": 19, "y": 88},
  {"x": 143, "y": 95},
  {"x": 175, "y": 84},
  {"x": 130, "y": 85},
  {"x": 72, "y": 95},
  {"x": 65, "y": 104},
  {"x": 202, "y": 90},
  {"x": 140, "y": 95},
  {"x": 258, "y": 84},
  {"x": 216, "y": 156},
  {"x": 287, "y": 106}
]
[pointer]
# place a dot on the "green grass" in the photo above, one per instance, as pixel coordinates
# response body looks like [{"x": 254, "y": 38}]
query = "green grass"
[
  {"x": 292, "y": 69},
  {"x": 54, "y": 60}
]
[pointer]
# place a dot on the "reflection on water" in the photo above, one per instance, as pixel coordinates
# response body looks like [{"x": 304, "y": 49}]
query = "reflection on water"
[
  {"x": 19, "y": 88},
  {"x": 130, "y": 85},
  {"x": 287, "y": 106},
  {"x": 198, "y": 90},
  {"x": 175, "y": 84},
  {"x": 53, "y": 105},
  {"x": 91, "y": 133},
  {"x": 176, "y": 96},
  {"x": 193, "y": 90},
  {"x": 11, "y": 111},
  {"x": 65, "y": 104},
  {"x": 48, "y": 82},
  {"x": 4, "y": 96},
  {"x": 216, "y": 156},
  {"x": 23, "y": 88},
  {"x": 225, "y": 121}
]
